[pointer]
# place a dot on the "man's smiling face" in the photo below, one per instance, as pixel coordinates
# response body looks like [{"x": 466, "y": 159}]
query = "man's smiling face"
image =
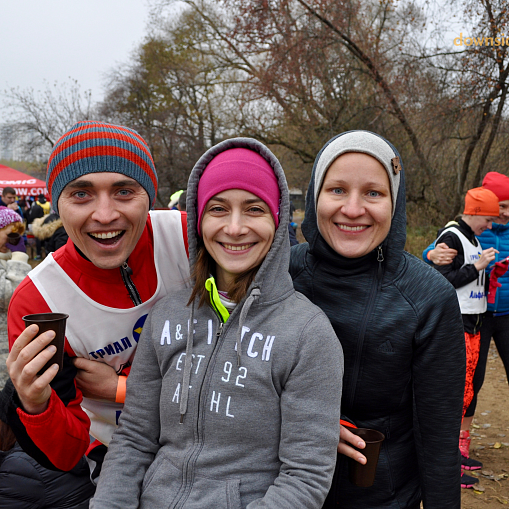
[{"x": 104, "y": 214}]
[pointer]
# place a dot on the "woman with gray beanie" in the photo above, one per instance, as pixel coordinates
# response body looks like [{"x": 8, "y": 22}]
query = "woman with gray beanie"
[{"x": 398, "y": 322}]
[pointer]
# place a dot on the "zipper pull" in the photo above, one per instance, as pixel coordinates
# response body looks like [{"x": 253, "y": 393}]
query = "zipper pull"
[
  {"x": 380, "y": 258},
  {"x": 128, "y": 269},
  {"x": 218, "y": 333}
]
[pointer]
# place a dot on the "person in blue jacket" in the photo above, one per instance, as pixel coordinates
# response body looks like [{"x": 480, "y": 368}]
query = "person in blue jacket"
[{"x": 496, "y": 319}]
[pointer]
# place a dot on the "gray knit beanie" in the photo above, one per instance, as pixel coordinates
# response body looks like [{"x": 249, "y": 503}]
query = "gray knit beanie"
[{"x": 366, "y": 143}]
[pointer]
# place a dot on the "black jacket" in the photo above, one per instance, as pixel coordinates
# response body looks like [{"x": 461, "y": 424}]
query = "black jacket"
[
  {"x": 34, "y": 212},
  {"x": 24, "y": 484},
  {"x": 400, "y": 326}
]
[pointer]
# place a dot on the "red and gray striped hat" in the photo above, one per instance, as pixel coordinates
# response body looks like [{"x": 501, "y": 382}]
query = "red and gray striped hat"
[{"x": 94, "y": 147}]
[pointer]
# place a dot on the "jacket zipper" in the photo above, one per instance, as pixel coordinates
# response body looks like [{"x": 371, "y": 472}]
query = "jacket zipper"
[
  {"x": 380, "y": 258},
  {"x": 126, "y": 273},
  {"x": 198, "y": 446},
  {"x": 377, "y": 280}
]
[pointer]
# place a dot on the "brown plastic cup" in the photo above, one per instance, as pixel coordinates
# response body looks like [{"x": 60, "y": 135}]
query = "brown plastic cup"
[
  {"x": 364, "y": 475},
  {"x": 13, "y": 238},
  {"x": 54, "y": 322}
]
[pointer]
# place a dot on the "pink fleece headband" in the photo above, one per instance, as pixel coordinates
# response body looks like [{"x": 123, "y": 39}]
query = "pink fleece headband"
[{"x": 239, "y": 168}]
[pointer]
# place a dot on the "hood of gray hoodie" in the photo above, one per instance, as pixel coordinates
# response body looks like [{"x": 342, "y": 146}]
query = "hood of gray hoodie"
[{"x": 272, "y": 278}]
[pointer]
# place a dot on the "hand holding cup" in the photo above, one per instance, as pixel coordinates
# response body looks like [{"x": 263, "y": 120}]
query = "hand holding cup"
[
  {"x": 31, "y": 367},
  {"x": 363, "y": 475},
  {"x": 51, "y": 322}
]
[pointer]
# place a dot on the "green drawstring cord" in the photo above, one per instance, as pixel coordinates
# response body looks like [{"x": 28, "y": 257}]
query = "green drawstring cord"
[
  {"x": 223, "y": 314},
  {"x": 210, "y": 286}
]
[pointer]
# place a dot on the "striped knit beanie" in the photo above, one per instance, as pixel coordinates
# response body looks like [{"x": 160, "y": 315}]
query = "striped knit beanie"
[{"x": 95, "y": 147}]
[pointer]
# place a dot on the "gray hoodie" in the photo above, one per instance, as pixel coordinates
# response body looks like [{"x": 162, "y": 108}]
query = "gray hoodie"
[{"x": 260, "y": 429}]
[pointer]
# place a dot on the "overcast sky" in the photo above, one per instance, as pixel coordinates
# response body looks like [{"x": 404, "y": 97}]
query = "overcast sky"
[{"x": 53, "y": 40}]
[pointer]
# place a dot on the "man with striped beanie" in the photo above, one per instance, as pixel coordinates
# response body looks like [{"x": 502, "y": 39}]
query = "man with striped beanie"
[{"x": 120, "y": 259}]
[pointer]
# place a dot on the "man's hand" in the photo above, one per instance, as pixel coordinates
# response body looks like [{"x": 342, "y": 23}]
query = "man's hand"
[
  {"x": 96, "y": 379},
  {"x": 487, "y": 256},
  {"x": 25, "y": 360},
  {"x": 442, "y": 254},
  {"x": 13, "y": 206},
  {"x": 347, "y": 437}
]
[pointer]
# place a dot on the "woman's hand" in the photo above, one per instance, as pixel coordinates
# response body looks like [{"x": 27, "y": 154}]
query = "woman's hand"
[
  {"x": 26, "y": 358},
  {"x": 347, "y": 437},
  {"x": 487, "y": 256}
]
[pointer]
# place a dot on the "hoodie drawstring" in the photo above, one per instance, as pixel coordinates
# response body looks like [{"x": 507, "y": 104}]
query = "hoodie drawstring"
[
  {"x": 255, "y": 293},
  {"x": 187, "y": 366}
]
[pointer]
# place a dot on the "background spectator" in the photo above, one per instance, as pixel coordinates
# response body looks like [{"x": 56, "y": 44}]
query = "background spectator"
[
  {"x": 182, "y": 202},
  {"x": 9, "y": 200},
  {"x": 50, "y": 231},
  {"x": 13, "y": 268}
]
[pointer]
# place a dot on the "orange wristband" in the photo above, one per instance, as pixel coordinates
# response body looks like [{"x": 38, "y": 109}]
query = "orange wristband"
[
  {"x": 121, "y": 388},
  {"x": 427, "y": 255}
]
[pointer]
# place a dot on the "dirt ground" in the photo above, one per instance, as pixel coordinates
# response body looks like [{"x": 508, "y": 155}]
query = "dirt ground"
[{"x": 490, "y": 440}]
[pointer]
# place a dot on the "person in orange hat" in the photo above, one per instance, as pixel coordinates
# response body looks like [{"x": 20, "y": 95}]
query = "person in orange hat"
[
  {"x": 495, "y": 322},
  {"x": 466, "y": 272}
]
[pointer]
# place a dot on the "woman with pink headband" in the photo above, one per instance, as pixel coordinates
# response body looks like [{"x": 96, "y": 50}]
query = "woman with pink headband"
[{"x": 233, "y": 400}]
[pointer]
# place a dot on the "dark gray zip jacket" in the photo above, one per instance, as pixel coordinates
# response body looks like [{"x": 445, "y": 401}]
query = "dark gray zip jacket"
[
  {"x": 400, "y": 326},
  {"x": 259, "y": 433}
]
